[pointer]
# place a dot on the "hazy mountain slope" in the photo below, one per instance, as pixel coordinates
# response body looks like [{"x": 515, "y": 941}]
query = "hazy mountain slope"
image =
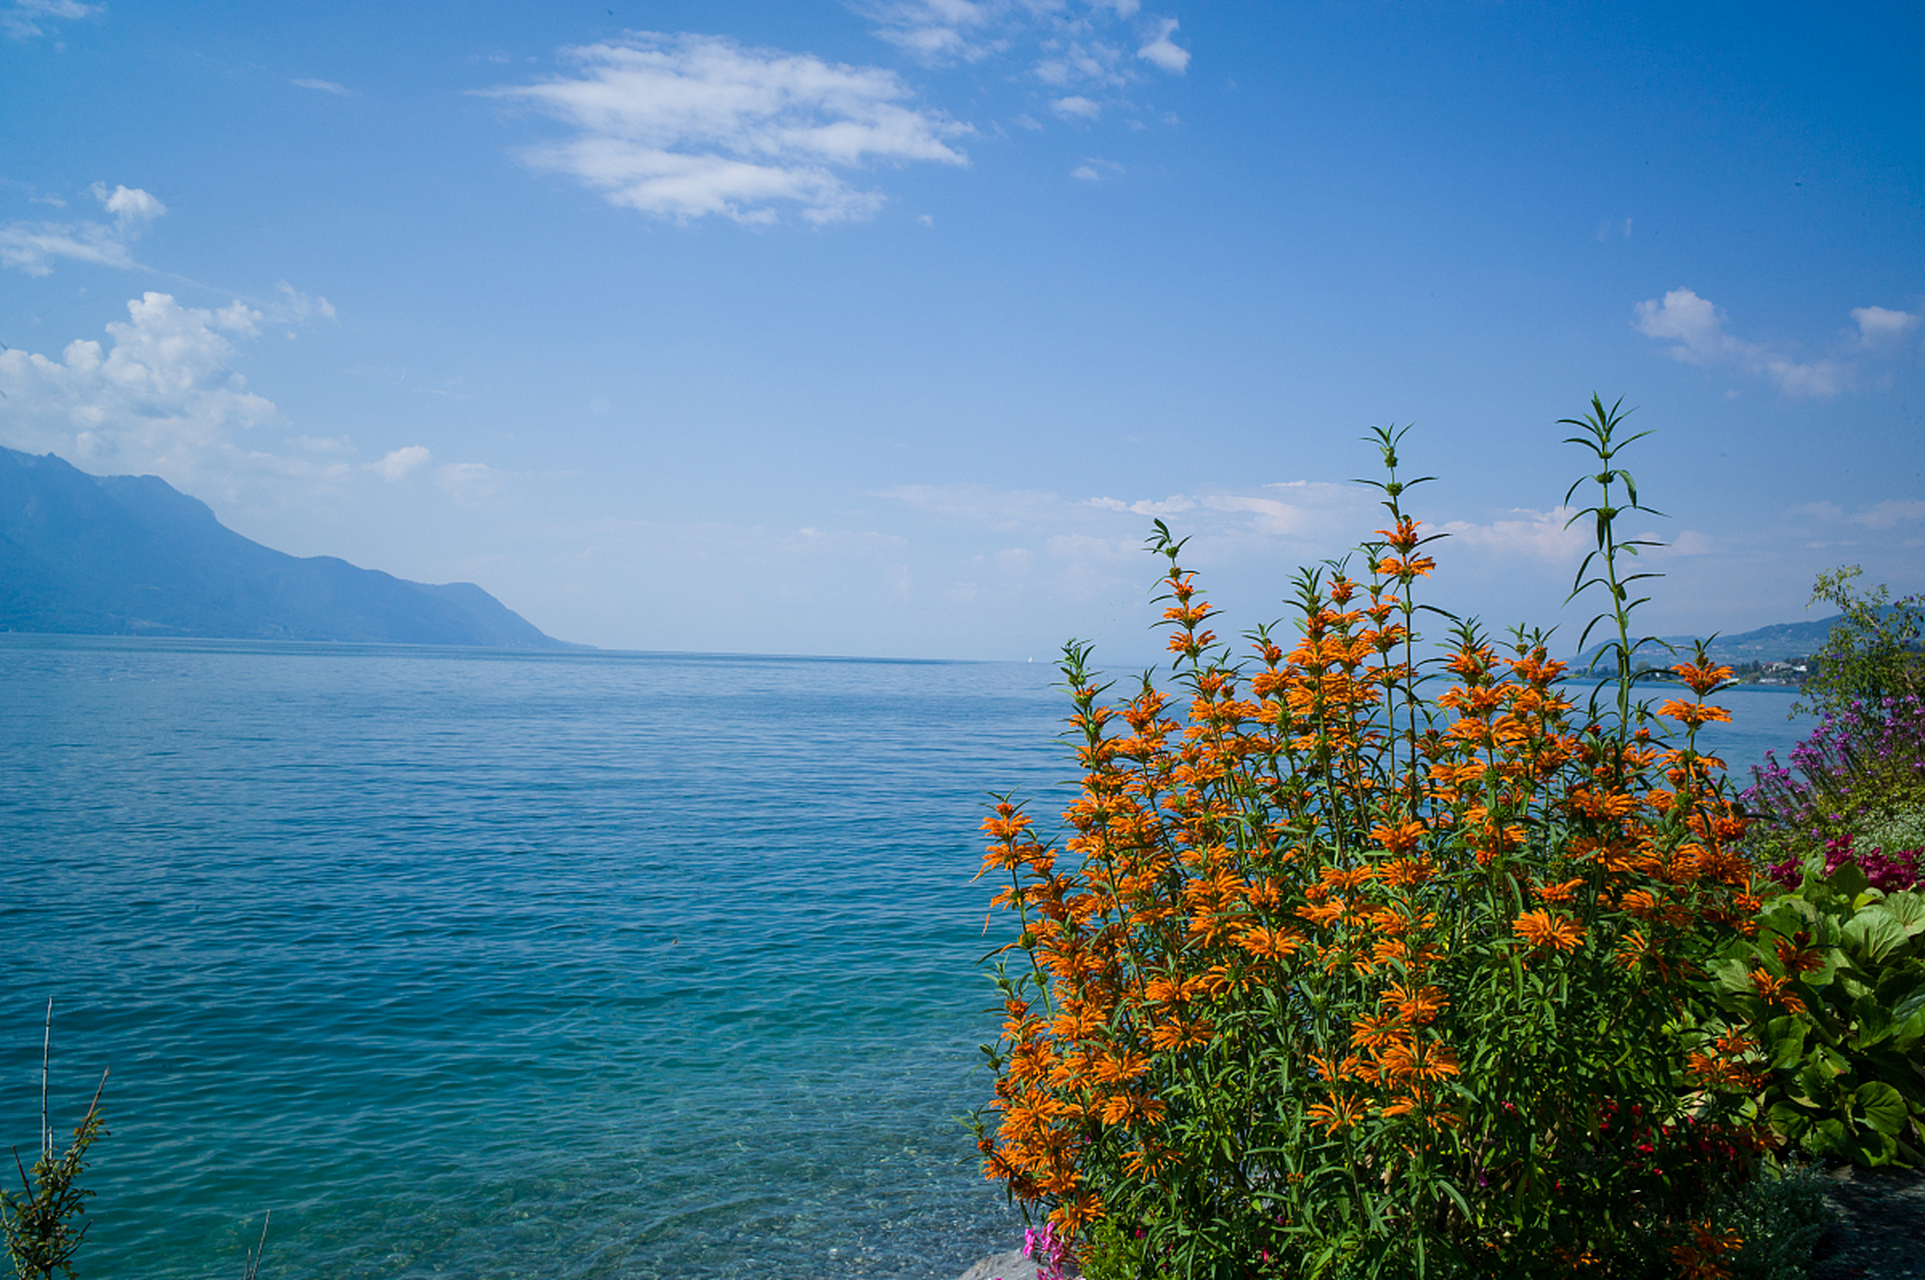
[{"x": 131, "y": 555}]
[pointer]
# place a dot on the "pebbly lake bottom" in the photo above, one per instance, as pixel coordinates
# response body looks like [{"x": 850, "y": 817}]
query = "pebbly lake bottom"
[{"x": 486, "y": 964}]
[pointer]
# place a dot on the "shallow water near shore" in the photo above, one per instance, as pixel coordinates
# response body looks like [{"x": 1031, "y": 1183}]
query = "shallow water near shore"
[{"x": 490, "y": 964}]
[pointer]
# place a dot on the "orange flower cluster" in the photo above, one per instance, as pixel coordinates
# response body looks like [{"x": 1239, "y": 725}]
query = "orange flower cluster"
[{"x": 1294, "y": 920}]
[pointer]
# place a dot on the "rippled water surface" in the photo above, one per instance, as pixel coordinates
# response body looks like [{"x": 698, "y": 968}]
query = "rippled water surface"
[{"x": 486, "y": 964}]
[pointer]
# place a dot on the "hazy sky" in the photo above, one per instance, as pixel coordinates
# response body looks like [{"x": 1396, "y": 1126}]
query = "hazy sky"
[{"x": 886, "y": 327}]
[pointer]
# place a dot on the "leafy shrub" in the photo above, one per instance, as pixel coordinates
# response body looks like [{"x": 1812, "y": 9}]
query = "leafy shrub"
[
  {"x": 38, "y": 1223},
  {"x": 1336, "y": 979},
  {"x": 1780, "y": 1220},
  {"x": 1834, "y": 985},
  {"x": 1872, "y": 652}
]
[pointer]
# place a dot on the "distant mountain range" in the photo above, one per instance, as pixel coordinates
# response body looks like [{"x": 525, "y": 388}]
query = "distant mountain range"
[
  {"x": 1780, "y": 642},
  {"x": 132, "y": 555}
]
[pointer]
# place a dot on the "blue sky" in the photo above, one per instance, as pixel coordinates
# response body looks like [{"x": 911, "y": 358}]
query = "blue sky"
[{"x": 887, "y": 327}]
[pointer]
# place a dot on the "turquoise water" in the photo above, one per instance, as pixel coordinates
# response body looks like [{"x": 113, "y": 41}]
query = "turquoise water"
[{"x": 484, "y": 964}]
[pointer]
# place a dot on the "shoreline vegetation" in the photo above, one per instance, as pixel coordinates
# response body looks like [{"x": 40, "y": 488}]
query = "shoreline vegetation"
[{"x": 1333, "y": 977}]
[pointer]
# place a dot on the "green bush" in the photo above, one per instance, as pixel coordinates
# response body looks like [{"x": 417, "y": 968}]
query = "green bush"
[
  {"x": 1780, "y": 1218},
  {"x": 1338, "y": 976}
]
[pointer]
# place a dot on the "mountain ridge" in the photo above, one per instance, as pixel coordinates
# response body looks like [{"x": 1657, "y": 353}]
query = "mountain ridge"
[{"x": 132, "y": 555}]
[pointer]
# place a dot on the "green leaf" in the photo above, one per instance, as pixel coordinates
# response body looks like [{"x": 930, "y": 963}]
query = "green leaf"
[
  {"x": 1734, "y": 977},
  {"x": 1849, "y": 881},
  {"x": 1872, "y": 1019},
  {"x": 1785, "y": 1038},
  {"x": 1829, "y": 1138},
  {"x": 1903, "y": 990},
  {"x": 1873, "y": 934},
  {"x": 1789, "y": 1119},
  {"x": 1880, "y": 1106},
  {"x": 1908, "y": 908}
]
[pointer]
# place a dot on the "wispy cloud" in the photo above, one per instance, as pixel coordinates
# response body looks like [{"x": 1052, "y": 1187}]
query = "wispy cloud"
[
  {"x": 683, "y": 126},
  {"x": 401, "y": 463},
  {"x": 322, "y": 86},
  {"x": 27, "y": 19},
  {"x": 943, "y": 30},
  {"x": 1067, "y": 41},
  {"x": 1542, "y": 535},
  {"x": 1696, "y": 329},
  {"x": 1880, "y": 328},
  {"x": 32, "y": 246},
  {"x": 1161, "y": 50},
  {"x": 1309, "y": 512},
  {"x": 291, "y": 306},
  {"x": 1076, "y": 107}
]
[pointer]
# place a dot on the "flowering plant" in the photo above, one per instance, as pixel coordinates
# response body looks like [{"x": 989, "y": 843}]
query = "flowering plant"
[{"x": 1336, "y": 976}]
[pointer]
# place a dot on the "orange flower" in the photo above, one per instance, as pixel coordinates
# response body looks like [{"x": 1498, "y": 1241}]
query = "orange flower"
[
  {"x": 1543, "y": 929},
  {"x": 1338, "y": 1113},
  {"x": 1776, "y": 991},
  {"x": 1400, "y": 839},
  {"x": 1698, "y": 1259},
  {"x": 1795, "y": 956},
  {"x": 1701, "y": 679},
  {"x": 1127, "y": 1109},
  {"x": 1272, "y": 944},
  {"x": 1693, "y": 714},
  {"x": 1558, "y": 892},
  {"x": 1407, "y": 872}
]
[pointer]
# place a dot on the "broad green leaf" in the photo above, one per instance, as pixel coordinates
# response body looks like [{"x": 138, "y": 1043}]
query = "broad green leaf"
[
  {"x": 1873, "y": 934},
  {"x": 1734, "y": 977},
  {"x": 1872, "y": 1148},
  {"x": 1908, "y": 908},
  {"x": 1909, "y": 1033},
  {"x": 1903, "y": 990},
  {"x": 1817, "y": 1084},
  {"x": 1785, "y": 1039},
  {"x": 1829, "y": 1137},
  {"x": 1849, "y": 881},
  {"x": 1880, "y": 1106},
  {"x": 1789, "y": 1118},
  {"x": 1872, "y": 1019}
]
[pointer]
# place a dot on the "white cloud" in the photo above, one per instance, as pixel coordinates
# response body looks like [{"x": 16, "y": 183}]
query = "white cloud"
[
  {"x": 682, "y": 126},
  {"x": 1891, "y": 512},
  {"x": 1093, "y": 169},
  {"x": 290, "y": 304},
  {"x": 1075, "y": 62},
  {"x": 1543, "y": 535},
  {"x": 940, "y": 30},
  {"x": 1076, "y": 107},
  {"x": 1696, "y": 328},
  {"x": 1145, "y": 506},
  {"x": 31, "y": 246},
  {"x": 132, "y": 208},
  {"x": 1072, "y": 46},
  {"x": 469, "y": 482},
  {"x": 1084, "y": 172},
  {"x": 1304, "y": 511},
  {"x": 163, "y": 396},
  {"x": 402, "y": 463},
  {"x": 1881, "y": 327},
  {"x": 1161, "y": 51},
  {"x": 24, "y": 19},
  {"x": 324, "y": 86}
]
